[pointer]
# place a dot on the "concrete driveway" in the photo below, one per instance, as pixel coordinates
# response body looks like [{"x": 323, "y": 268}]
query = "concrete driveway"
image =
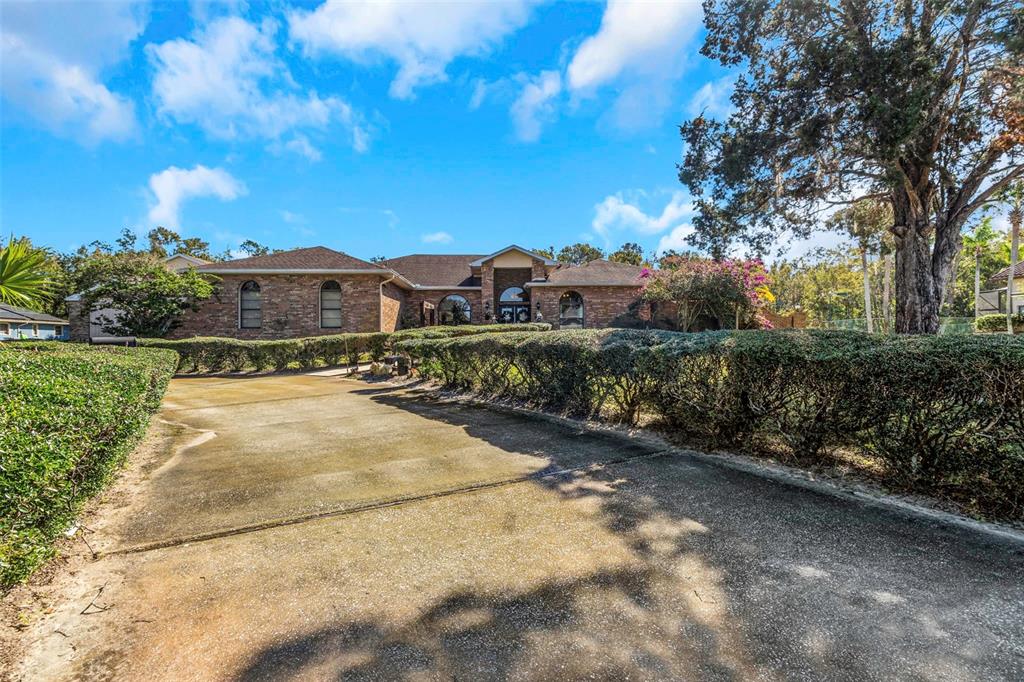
[{"x": 311, "y": 527}]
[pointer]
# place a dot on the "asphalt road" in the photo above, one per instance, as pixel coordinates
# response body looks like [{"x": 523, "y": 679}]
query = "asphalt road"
[{"x": 309, "y": 527}]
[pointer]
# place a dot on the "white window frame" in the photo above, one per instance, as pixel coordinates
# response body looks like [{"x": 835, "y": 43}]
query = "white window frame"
[
  {"x": 320, "y": 304},
  {"x": 260, "y": 291}
]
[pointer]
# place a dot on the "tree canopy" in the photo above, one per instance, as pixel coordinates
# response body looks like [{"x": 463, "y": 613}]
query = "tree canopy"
[
  {"x": 630, "y": 253},
  {"x": 579, "y": 253},
  {"x": 150, "y": 297},
  {"x": 919, "y": 103}
]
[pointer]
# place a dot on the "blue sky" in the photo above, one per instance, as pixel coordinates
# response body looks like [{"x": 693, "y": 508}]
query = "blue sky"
[{"x": 376, "y": 129}]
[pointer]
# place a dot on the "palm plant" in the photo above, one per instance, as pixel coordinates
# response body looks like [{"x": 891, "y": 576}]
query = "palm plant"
[{"x": 23, "y": 277}]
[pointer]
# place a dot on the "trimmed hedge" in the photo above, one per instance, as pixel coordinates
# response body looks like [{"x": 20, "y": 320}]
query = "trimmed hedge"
[
  {"x": 69, "y": 415},
  {"x": 940, "y": 415},
  {"x": 997, "y": 323},
  {"x": 218, "y": 354}
]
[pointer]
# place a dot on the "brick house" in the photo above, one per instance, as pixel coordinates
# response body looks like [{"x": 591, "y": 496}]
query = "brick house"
[{"x": 312, "y": 291}]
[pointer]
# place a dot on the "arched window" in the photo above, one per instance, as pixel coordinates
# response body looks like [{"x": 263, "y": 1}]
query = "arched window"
[
  {"x": 330, "y": 305},
  {"x": 454, "y": 309},
  {"x": 250, "y": 308},
  {"x": 513, "y": 295},
  {"x": 570, "y": 310}
]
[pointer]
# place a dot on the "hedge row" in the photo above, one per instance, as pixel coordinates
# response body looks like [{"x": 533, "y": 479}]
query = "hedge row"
[
  {"x": 941, "y": 415},
  {"x": 997, "y": 323},
  {"x": 68, "y": 417},
  {"x": 216, "y": 354}
]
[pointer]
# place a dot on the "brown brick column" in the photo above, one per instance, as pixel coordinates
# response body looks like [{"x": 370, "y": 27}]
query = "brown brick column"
[{"x": 487, "y": 291}]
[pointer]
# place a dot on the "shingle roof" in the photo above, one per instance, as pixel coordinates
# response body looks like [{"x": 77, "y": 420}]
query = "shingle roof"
[
  {"x": 312, "y": 258},
  {"x": 10, "y": 313},
  {"x": 1000, "y": 277},
  {"x": 436, "y": 270},
  {"x": 595, "y": 273}
]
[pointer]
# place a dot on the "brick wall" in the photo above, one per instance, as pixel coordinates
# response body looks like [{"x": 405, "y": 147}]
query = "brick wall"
[
  {"x": 77, "y": 322},
  {"x": 415, "y": 299},
  {"x": 391, "y": 301},
  {"x": 486, "y": 289},
  {"x": 510, "y": 277},
  {"x": 539, "y": 270},
  {"x": 290, "y": 305},
  {"x": 602, "y": 306}
]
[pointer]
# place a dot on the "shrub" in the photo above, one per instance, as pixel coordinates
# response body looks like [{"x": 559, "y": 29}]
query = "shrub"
[
  {"x": 218, "y": 354},
  {"x": 68, "y": 417},
  {"x": 997, "y": 323},
  {"x": 942, "y": 415}
]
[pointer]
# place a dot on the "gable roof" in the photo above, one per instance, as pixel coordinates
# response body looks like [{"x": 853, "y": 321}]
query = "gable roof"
[
  {"x": 10, "y": 313},
  {"x": 480, "y": 261},
  {"x": 436, "y": 270},
  {"x": 1000, "y": 277},
  {"x": 595, "y": 273},
  {"x": 314, "y": 258}
]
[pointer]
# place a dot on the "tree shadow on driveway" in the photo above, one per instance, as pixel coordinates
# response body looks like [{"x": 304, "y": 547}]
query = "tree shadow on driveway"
[{"x": 730, "y": 576}]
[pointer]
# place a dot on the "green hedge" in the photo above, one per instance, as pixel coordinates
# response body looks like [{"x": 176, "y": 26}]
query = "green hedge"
[
  {"x": 218, "y": 354},
  {"x": 941, "y": 415},
  {"x": 997, "y": 323},
  {"x": 68, "y": 417}
]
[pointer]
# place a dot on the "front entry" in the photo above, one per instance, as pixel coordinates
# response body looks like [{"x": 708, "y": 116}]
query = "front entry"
[{"x": 513, "y": 306}]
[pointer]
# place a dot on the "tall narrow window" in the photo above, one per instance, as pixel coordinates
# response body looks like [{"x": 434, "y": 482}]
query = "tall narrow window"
[
  {"x": 570, "y": 310},
  {"x": 330, "y": 305},
  {"x": 250, "y": 307}
]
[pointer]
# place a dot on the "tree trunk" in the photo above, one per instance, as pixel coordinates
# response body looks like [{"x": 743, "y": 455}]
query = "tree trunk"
[
  {"x": 917, "y": 291},
  {"x": 886, "y": 297},
  {"x": 1015, "y": 219},
  {"x": 977, "y": 280},
  {"x": 867, "y": 288}
]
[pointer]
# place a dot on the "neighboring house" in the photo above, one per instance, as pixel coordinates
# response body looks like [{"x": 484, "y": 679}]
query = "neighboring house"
[
  {"x": 311, "y": 291},
  {"x": 22, "y": 323},
  {"x": 84, "y": 328},
  {"x": 993, "y": 300}
]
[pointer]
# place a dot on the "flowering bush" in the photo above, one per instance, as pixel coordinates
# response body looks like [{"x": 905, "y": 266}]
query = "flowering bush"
[{"x": 733, "y": 292}]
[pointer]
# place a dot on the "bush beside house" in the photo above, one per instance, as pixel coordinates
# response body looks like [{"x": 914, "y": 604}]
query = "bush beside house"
[
  {"x": 69, "y": 415},
  {"x": 997, "y": 323},
  {"x": 217, "y": 354},
  {"x": 939, "y": 415}
]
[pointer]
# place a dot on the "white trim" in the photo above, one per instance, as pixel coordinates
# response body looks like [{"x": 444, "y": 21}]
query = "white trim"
[
  {"x": 381, "y": 272},
  {"x": 191, "y": 259},
  {"x": 571, "y": 285},
  {"x": 480, "y": 261},
  {"x": 420, "y": 287},
  {"x": 294, "y": 271}
]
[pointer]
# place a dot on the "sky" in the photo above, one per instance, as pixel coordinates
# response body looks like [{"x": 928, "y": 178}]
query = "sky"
[{"x": 376, "y": 129}]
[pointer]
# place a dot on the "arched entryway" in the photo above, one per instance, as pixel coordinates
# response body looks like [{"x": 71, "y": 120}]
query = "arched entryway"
[{"x": 513, "y": 306}]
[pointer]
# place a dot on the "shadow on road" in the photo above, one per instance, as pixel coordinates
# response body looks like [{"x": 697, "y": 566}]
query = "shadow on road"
[{"x": 731, "y": 577}]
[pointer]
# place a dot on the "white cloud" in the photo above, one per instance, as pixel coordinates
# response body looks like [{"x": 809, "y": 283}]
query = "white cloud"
[
  {"x": 228, "y": 81},
  {"x": 616, "y": 214},
  {"x": 534, "y": 104},
  {"x": 437, "y": 238},
  {"x": 51, "y": 63},
  {"x": 643, "y": 45},
  {"x": 293, "y": 218},
  {"x": 713, "y": 98},
  {"x": 301, "y": 145},
  {"x": 422, "y": 37},
  {"x": 676, "y": 240},
  {"x": 173, "y": 186}
]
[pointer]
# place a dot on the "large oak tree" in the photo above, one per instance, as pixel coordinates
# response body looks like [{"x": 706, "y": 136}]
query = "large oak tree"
[{"x": 916, "y": 102}]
